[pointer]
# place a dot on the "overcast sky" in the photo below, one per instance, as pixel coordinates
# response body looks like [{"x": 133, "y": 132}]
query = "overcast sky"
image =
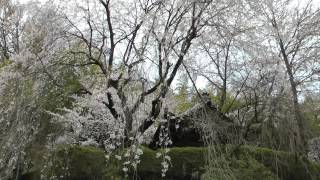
[
  {"x": 24, "y": 1},
  {"x": 200, "y": 81}
]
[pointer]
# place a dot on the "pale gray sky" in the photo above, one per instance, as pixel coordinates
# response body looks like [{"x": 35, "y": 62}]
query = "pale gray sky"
[
  {"x": 26, "y": 1},
  {"x": 201, "y": 82},
  {"x": 42, "y": 1}
]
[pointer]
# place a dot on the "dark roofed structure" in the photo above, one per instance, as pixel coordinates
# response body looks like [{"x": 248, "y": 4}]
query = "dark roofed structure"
[{"x": 193, "y": 126}]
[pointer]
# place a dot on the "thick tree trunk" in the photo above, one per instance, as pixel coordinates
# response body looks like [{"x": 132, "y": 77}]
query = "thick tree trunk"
[
  {"x": 224, "y": 79},
  {"x": 301, "y": 141}
]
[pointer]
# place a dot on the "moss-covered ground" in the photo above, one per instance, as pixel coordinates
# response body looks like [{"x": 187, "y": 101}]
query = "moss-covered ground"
[{"x": 245, "y": 162}]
